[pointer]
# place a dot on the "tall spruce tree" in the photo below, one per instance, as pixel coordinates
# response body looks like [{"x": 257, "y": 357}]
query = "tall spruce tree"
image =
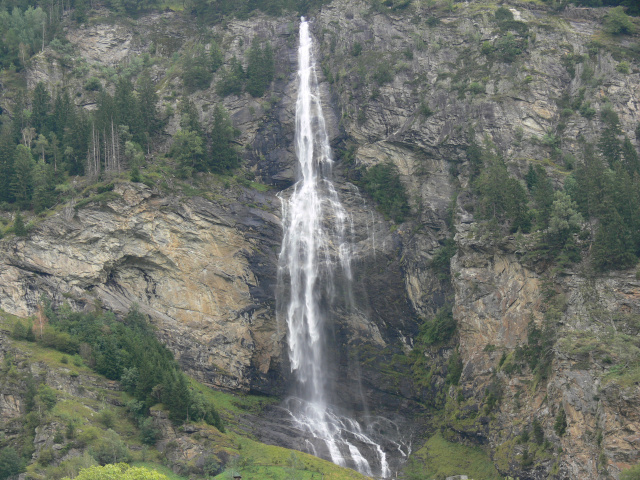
[
  {"x": 613, "y": 246},
  {"x": 224, "y": 154},
  {"x": 40, "y": 108},
  {"x": 609, "y": 144},
  {"x": 22, "y": 182}
]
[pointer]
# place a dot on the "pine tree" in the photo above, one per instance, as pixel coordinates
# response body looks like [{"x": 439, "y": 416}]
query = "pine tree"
[
  {"x": 7, "y": 149},
  {"x": 260, "y": 68},
  {"x": 217, "y": 57},
  {"x": 188, "y": 150},
  {"x": 564, "y": 220},
  {"x": 22, "y": 182},
  {"x": 232, "y": 81},
  {"x": 224, "y": 154},
  {"x": 18, "y": 226},
  {"x": 44, "y": 186},
  {"x": 41, "y": 106},
  {"x": 148, "y": 106},
  {"x": 630, "y": 157},
  {"x": 609, "y": 144},
  {"x": 196, "y": 70},
  {"x": 613, "y": 246}
]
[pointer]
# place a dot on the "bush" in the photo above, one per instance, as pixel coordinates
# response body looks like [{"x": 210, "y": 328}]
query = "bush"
[
  {"x": 618, "y": 23},
  {"x": 623, "y": 67},
  {"x": 110, "y": 449},
  {"x": 382, "y": 182},
  {"x": 632, "y": 473},
  {"x": 232, "y": 81},
  {"x": 507, "y": 48},
  {"x": 503, "y": 14},
  {"x": 93, "y": 84},
  {"x": 19, "y": 331},
  {"x": 439, "y": 330},
  {"x": 10, "y": 463}
]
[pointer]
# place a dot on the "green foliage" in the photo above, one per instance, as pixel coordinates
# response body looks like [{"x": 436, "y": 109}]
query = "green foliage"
[
  {"x": 623, "y": 67},
  {"x": 538, "y": 353},
  {"x": 503, "y": 14},
  {"x": 632, "y": 473},
  {"x": 232, "y": 79},
  {"x": 613, "y": 246},
  {"x": 196, "y": 70},
  {"x": 538, "y": 432},
  {"x": 618, "y": 23},
  {"x": 441, "y": 261},
  {"x": 260, "y": 68},
  {"x": 501, "y": 197},
  {"x": 224, "y": 154},
  {"x": 120, "y": 471},
  {"x": 10, "y": 463},
  {"x": 188, "y": 150},
  {"x": 440, "y": 330},
  {"x": 93, "y": 84},
  {"x": 439, "y": 458},
  {"x": 18, "y": 226},
  {"x": 560, "y": 424},
  {"x": 129, "y": 351},
  {"x": 454, "y": 368},
  {"x": 382, "y": 182}
]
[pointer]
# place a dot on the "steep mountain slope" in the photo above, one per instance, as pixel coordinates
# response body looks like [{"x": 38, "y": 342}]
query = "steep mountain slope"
[{"x": 547, "y": 354}]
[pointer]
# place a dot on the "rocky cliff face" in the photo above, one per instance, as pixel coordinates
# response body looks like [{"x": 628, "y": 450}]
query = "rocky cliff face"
[{"x": 402, "y": 86}]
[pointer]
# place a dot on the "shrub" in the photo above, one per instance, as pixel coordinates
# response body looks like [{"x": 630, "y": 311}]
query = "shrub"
[
  {"x": 93, "y": 84},
  {"x": 356, "y": 50},
  {"x": 110, "y": 449},
  {"x": 503, "y": 14},
  {"x": 382, "y": 182},
  {"x": 476, "y": 88},
  {"x": 19, "y": 331},
  {"x": 508, "y": 47},
  {"x": 439, "y": 330},
  {"x": 623, "y": 67},
  {"x": 454, "y": 368},
  {"x": 632, "y": 473},
  {"x": 618, "y": 23},
  {"x": 10, "y": 463}
]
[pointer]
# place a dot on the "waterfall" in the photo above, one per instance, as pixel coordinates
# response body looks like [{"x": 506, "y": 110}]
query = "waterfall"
[{"x": 316, "y": 250}]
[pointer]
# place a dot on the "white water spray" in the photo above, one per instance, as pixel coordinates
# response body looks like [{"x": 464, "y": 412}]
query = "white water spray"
[{"x": 315, "y": 247}]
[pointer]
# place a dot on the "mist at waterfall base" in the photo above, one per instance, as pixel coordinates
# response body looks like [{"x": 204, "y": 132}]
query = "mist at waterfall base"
[{"x": 314, "y": 282}]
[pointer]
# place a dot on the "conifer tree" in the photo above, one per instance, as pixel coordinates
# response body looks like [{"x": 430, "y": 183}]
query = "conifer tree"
[
  {"x": 260, "y": 68},
  {"x": 7, "y": 150},
  {"x": 18, "y": 226},
  {"x": 630, "y": 157},
  {"x": 22, "y": 182},
  {"x": 40, "y": 109},
  {"x": 148, "y": 106},
  {"x": 609, "y": 144},
  {"x": 224, "y": 154},
  {"x": 44, "y": 186},
  {"x": 613, "y": 246}
]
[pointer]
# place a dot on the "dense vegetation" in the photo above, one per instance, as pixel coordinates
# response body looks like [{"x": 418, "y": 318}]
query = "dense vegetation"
[
  {"x": 382, "y": 182},
  {"x": 127, "y": 351},
  {"x": 596, "y": 211}
]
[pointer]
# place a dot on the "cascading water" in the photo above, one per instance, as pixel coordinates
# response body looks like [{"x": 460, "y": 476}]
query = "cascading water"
[{"x": 316, "y": 249}]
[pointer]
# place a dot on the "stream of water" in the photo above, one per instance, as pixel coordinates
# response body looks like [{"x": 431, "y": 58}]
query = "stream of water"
[{"x": 315, "y": 249}]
